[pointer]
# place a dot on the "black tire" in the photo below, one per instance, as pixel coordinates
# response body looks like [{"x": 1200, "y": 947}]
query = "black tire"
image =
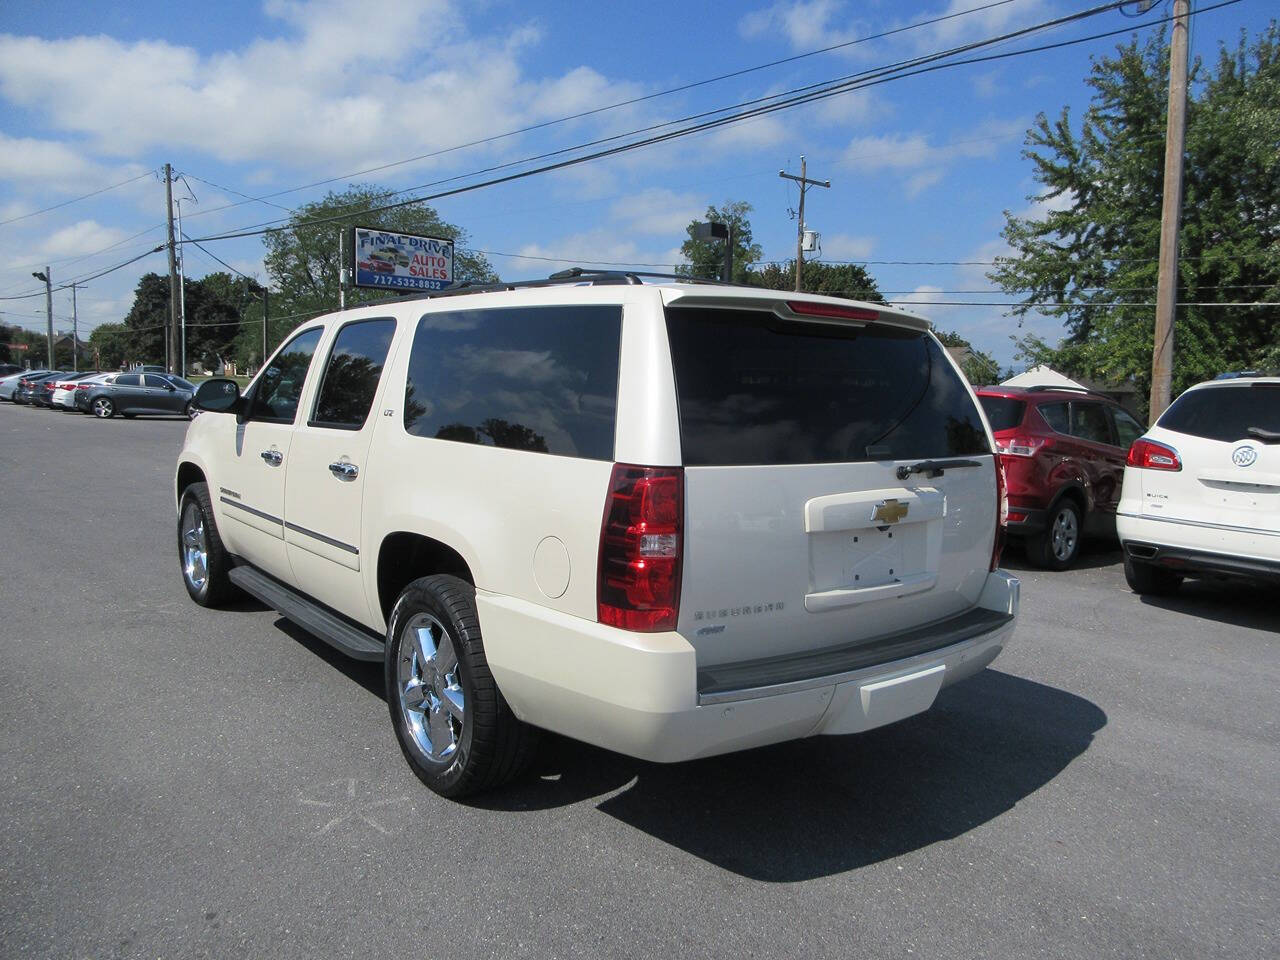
[
  {"x": 1150, "y": 580},
  {"x": 103, "y": 408},
  {"x": 190, "y": 411},
  {"x": 488, "y": 745},
  {"x": 216, "y": 588},
  {"x": 1058, "y": 546}
]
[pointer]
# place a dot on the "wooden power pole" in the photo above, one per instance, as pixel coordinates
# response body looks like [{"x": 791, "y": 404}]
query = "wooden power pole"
[
  {"x": 1170, "y": 216},
  {"x": 171, "y": 328},
  {"x": 805, "y": 183}
]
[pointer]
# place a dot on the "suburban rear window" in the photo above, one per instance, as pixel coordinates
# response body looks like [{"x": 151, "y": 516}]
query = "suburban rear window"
[
  {"x": 756, "y": 389},
  {"x": 542, "y": 379},
  {"x": 1225, "y": 413},
  {"x": 1003, "y": 413}
]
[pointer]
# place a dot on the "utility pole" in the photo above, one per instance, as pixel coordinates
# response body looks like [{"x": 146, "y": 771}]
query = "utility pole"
[
  {"x": 170, "y": 332},
  {"x": 75, "y": 333},
  {"x": 47, "y": 277},
  {"x": 1170, "y": 216},
  {"x": 805, "y": 183}
]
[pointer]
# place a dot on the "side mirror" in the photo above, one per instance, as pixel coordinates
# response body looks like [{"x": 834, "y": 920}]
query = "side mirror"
[{"x": 218, "y": 395}]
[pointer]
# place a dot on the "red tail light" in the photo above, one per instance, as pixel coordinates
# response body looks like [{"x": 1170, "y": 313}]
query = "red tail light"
[
  {"x": 641, "y": 547},
  {"x": 1022, "y": 445},
  {"x": 83, "y": 386},
  {"x": 1002, "y": 514},
  {"x": 1150, "y": 455},
  {"x": 807, "y": 308}
]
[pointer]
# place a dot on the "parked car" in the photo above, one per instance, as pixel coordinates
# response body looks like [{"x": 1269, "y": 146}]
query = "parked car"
[
  {"x": 29, "y": 385},
  {"x": 132, "y": 393},
  {"x": 1202, "y": 488},
  {"x": 1063, "y": 452},
  {"x": 64, "y": 388},
  {"x": 670, "y": 519},
  {"x": 7, "y": 368},
  {"x": 9, "y": 384}
]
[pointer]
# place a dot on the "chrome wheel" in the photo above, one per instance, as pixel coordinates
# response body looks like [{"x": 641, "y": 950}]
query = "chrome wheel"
[
  {"x": 102, "y": 407},
  {"x": 195, "y": 548},
  {"x": 430, "y": 688},
  {"x": 1065, "y": 535}
]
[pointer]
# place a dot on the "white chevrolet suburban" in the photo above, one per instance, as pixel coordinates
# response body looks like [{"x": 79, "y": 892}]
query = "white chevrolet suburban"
[{"x": 672, "y": 519}]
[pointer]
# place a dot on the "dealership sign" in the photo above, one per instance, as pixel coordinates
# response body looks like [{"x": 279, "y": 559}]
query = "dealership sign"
[{"x": 400, "y": 261}]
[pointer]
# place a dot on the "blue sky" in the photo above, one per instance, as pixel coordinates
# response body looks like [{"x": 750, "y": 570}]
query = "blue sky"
[{"x": 259, "y": 97}]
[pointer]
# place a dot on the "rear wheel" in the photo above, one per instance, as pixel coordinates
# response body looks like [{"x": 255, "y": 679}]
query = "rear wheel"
[
  {"x": 1057, "y": 547},
  {"x": 103, "y": 408},
  {"x": 1148, "y": 579},
  {"x": 191, "y": 411},
  {"x": 453, "y": 724}
]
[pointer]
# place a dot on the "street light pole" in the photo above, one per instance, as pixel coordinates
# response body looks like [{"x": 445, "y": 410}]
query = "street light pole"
[
  {"x": 48, "y": 306},
  {"x": 182, "y": 295},
  {"x": 75, "y": 333}
]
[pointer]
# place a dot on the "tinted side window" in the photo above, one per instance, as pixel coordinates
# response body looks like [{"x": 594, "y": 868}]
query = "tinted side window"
[
  {"x": 155, "y": 380},
  {"x": 276, "y": 392},
  {"x": 1089, "y": 422},
  {"x": 1127, "y": 428},
  {"x": 352, "y": 374},
  {"x": 755, "y": 389},
  {"x": 534, "y": 378},
  {"x": 1055, "y": 414},
  {"x": 129, "y": 380}
]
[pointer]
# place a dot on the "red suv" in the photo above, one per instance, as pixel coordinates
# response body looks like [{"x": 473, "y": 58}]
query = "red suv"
[{"x": 1063, "y": 451}]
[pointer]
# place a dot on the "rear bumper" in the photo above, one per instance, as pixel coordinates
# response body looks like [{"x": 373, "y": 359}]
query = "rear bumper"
[
  {"x": 639, "y": 694},
  {"x": 1195, "y": 563},
  {"x": 1026, "y": 520},
  {"x": 1201, "y": 549}
]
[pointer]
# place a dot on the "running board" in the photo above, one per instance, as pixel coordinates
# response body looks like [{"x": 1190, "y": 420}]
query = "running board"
[{"x": 356, "y": 642}]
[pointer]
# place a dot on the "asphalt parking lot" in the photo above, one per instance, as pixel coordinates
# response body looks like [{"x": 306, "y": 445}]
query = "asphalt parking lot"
[{"x": 187, "y": 783}]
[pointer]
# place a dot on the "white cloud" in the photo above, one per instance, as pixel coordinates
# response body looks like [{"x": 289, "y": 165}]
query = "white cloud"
[
  {"x": 658, "y": 211},
  {"x": 78, "y": 239},
  {"x": 806, "y": 24},
  {"x": 988, "y": 85},
  {"x": 312, "y": 97},
  {"x": 844, "y": 246},
  {"x": 603, "y": 247},
  {"x": 920, "y": 162}
]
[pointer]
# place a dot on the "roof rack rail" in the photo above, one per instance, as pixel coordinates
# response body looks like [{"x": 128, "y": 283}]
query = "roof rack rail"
[
  {"x": 1065, "y": 387},
  {"x": 573, "y": 275}
]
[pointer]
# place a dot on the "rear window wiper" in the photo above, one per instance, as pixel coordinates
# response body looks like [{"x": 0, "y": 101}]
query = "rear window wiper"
[
  {"x": 1266, "y": 436},
  {"x": 934, "y": 468}
]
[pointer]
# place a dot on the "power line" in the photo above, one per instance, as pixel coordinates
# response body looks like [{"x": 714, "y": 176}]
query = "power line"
[
  {"x": 65, "y": 203},
  {"x": 815, "y": 92},
  {"x": 595, "y": 110}
]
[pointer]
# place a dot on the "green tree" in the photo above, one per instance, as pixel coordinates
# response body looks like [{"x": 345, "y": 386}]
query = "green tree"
[
  {"x": 111, "y": 341},
  {"x": 302, "y": 259},
  {"x": 978, "y": 366},
  {"x": 705, "y": 258},
  {"x": 833, "y": 279},
  {"x": 1092, "y": 248}
]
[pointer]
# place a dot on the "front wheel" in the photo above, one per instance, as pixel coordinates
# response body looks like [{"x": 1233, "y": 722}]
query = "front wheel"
[
  {"x": 204, "y": 561},
  {"x": 453, "y": 724},
  {"x": 191, "y": 411},
  {"x": 103, "y": 408},
  {"x": 1059, "y": 545}
]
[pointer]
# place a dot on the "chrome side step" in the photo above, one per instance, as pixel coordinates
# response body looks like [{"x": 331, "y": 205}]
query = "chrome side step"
[{"x": 355, "y": 641}]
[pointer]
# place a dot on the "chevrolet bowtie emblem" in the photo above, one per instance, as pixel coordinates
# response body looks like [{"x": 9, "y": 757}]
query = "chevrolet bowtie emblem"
[{"x": 890, "y": 511}]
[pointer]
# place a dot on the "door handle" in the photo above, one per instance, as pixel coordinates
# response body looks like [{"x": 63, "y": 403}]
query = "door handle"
[
  {"x": 273, "y": 457},
  {"x": 344, "y": 470}
]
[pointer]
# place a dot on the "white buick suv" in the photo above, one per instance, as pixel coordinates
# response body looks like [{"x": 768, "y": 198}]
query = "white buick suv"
[
  {"x": 1201, "y": 495},
  {"x": 672, "y": 519}
]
